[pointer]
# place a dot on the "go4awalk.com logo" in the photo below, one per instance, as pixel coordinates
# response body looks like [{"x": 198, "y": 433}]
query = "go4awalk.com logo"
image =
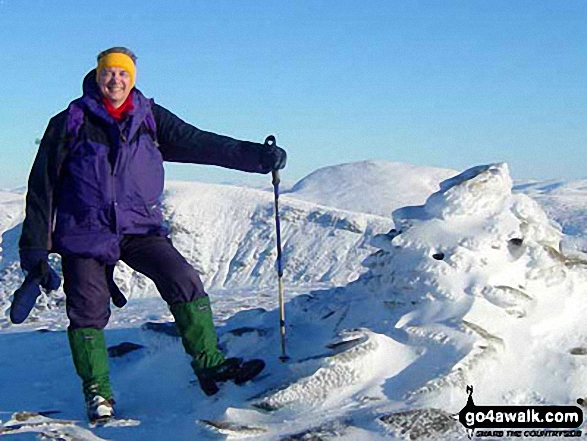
[{"x": 520, "y": 421}]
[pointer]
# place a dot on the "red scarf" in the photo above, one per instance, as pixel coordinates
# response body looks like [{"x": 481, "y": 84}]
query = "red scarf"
[{"x": 122, "y": 111}]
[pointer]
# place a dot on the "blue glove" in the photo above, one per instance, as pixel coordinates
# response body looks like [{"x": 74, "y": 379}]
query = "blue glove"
[
  {"x": 39, "y": 273},
  {"x": 24, "y": 299},
  {"x": 36, "y": 263}
]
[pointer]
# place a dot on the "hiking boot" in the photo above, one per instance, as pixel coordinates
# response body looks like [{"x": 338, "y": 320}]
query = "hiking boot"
[
  {"x": 232, "y": 369},
  {"x": 198, "y": 335},
  {"x": 99, "y": 409}
]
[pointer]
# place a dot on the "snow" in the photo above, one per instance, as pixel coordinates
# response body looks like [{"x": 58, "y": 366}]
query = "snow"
[
  {"x": 11, "y": 209},
  {"x": 564, "y": 202},
  {"x": 397, "y": 300},
  {"x": 376, "y": 187}
]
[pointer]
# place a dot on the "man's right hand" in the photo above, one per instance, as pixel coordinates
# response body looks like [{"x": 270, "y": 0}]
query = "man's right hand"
[{"x": 34, "y": 263}]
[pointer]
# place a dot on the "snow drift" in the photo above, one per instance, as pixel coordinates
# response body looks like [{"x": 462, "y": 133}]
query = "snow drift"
[{"x": 469, "y": 288}]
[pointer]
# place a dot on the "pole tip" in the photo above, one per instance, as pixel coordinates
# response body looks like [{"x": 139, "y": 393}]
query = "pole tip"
[{"x": 284, "y": 358}]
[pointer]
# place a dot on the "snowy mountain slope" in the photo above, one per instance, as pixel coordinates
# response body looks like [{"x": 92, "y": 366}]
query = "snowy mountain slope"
[
  {"x": 11, "y": 210},
  {"x": 469, "y": 289},
  {"x": 564, "y": 202},
  {"x": 228, "y": 234},
  {"x": 470, "y": 284},
  {"x": 376, "y": 187},
  {"x": 380, "y": 187}
]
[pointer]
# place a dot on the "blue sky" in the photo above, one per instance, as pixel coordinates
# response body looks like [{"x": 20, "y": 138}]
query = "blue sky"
[{"x": 441, "y": 83}]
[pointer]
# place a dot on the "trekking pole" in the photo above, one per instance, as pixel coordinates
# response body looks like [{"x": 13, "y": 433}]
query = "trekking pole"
[{"x": 270, "y": 141}]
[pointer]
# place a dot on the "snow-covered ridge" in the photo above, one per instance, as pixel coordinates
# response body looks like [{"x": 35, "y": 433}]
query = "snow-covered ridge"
[
  {"x": 471, "y": 283},
  {"x": 565, "y": 203},
  {"x": 11, "y": 210},
  {"x": 469, "y": 288},
  {"x": 376, "y": 187},
  {"x": 228, "y": 234}
]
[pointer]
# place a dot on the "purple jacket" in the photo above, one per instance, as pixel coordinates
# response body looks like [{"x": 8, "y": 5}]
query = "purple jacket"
[{"x": 95, "y": 179}]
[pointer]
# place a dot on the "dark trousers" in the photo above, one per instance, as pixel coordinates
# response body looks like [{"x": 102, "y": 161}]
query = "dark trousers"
[{"x": 86, "y": 284}]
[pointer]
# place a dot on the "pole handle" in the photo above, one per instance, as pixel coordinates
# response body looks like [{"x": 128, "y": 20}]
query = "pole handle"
[{"x": 270, "y": 141}]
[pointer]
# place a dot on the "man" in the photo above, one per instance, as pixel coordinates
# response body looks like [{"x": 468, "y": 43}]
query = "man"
[{"x": 94, "y": 196}]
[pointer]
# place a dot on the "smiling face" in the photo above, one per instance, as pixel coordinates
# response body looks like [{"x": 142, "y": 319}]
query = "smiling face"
[{"x": 115, "y": 84}]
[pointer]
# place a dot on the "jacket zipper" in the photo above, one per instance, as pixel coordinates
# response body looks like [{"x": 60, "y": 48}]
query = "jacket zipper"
[{"x": 121, "y": 139}]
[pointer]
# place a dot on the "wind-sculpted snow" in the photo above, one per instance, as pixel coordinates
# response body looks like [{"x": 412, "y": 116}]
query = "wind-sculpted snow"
[{"x": 466, "y": 287}]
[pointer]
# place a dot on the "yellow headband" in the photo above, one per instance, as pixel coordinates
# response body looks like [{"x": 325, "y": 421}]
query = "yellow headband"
[{"x": 116, "y": 59}]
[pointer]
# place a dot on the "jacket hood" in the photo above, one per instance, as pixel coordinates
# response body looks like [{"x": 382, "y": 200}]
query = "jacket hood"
[{"x": 90, "y": 86}]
